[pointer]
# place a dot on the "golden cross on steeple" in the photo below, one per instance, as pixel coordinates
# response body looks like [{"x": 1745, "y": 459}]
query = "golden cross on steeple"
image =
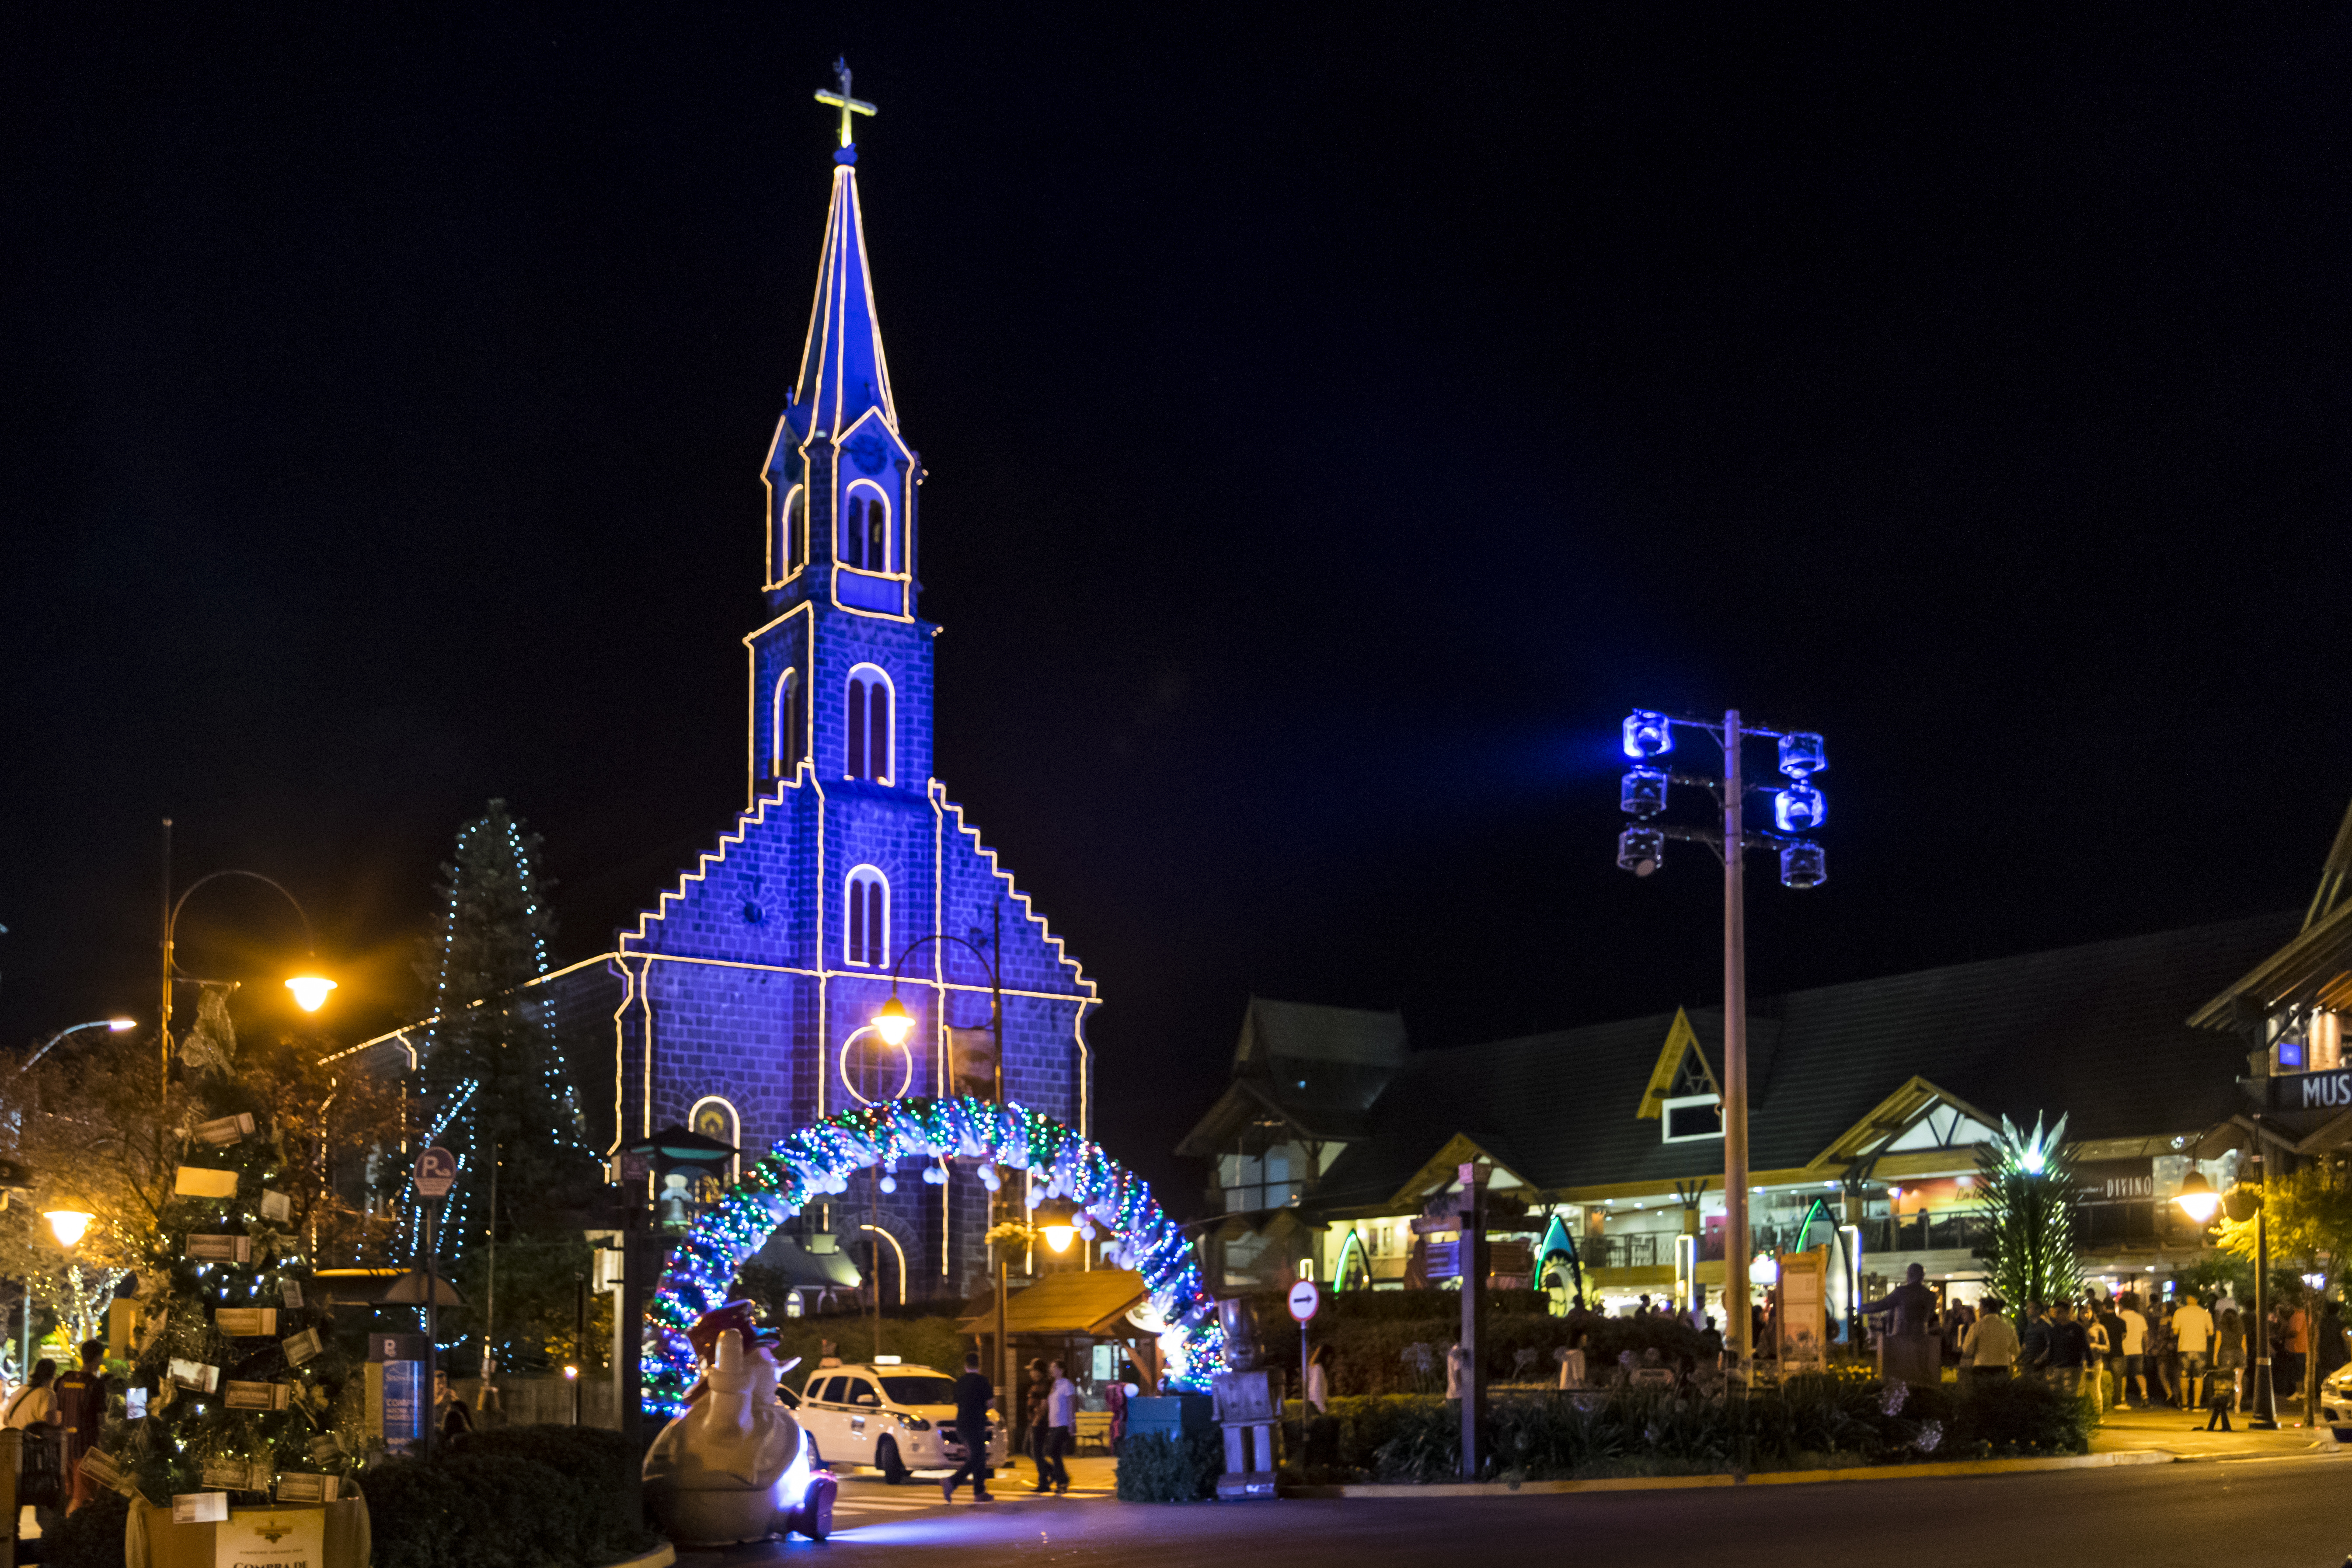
[{"x": 842, "y": 101}]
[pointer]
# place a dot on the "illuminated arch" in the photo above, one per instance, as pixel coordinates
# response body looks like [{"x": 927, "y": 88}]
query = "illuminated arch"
[
  {"x": 1352, "y": 1256},
  {"x": 817, "y": 1160}
]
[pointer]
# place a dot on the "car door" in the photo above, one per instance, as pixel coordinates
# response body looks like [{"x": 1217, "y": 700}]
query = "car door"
[
  {"x": 822, "y": 1418},
  {"x": 863, "y": 1401}
]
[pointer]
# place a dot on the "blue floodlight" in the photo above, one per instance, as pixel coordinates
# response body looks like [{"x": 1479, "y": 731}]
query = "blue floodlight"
[
  {"x": 1799, "y": 808},
  {"x": 1640, "y": 850},
  {"x": 1804, "y": 866},
  {"x": 1648, "y": 735},
  {"x": 1801, "y": 756},
  {"x": 1644, "y": 793}
]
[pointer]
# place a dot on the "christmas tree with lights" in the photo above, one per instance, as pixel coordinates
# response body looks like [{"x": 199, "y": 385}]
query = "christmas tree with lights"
[
  {"x": 2026, "y": 1191},
  {"x": 243, "y": 1390}
]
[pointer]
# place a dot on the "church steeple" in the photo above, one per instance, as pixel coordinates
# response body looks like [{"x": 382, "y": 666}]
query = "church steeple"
[
  {"x": 840, "y": 477},
  {"x": 842, "y": 371}
]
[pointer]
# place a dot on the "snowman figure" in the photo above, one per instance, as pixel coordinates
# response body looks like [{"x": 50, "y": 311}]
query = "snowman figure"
[{"x": 735, "y": 1465}]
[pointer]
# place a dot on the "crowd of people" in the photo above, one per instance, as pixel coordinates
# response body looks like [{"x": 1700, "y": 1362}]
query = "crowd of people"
[{"x": 2188, "y": 1353}]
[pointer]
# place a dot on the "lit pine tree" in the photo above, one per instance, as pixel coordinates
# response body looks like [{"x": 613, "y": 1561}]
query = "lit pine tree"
[
  {"x": 2026, "y": 1194},
  {"x": 497, "y": 1092}
]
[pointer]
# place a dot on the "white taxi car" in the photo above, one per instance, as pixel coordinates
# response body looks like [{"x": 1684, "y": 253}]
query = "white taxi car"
[{"x": 895, "y": 1417}]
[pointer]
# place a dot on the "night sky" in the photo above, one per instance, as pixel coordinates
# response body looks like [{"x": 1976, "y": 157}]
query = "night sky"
[{"x": 1336, "y": 419}]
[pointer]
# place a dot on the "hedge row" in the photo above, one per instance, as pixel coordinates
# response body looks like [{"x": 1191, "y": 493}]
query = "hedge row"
[
  {"x": 518, "y": 1496},
  {"x": 1374, "y": 1355},
  {"x": 1812, "y": 1420}
]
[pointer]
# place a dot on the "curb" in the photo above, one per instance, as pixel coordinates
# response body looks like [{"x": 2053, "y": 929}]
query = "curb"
[
  {"x": 661, "y": 1556},
  {"x": 1764, "y": 1479}
]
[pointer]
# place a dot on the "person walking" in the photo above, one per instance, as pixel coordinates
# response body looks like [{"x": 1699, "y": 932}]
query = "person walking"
[
  {"x": 41, "y": 1485},
  {"x": 1033, "y": 1411},
  {"x": 2113, "y": 1382},
  {"x": 2297, "y": 1341},
  {"x": 2229, "y": 1365},
  {"x": 82, "y": 1413},
  {"x": 974, "y": 1397},
  {"x": 2162, "y": 1389},
  {"x": 1991, "y": 1346},
  {"x": 2131, "y": 1383},
  {"x": 2094, "y": 1358},
  {"x": 1060, "y": 1407},
  {"x": 2192, "y": 1334},
  {"x": 1318, "y": 1382}
]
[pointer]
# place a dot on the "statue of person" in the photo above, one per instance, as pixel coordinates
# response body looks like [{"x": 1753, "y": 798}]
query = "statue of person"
[{"x": 1909, "y": 1352}]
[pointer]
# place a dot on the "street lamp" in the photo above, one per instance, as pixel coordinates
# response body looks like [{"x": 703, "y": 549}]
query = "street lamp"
[
  {"x": 2197, "y": 1200},
  {"x": 68, "y": 1225},
  {"x": 894, "y": 1024},
  {"x": 1797, "y": 807},
  {"x": 309, "y": 990},
  {"x": 116, "y": 1025}
]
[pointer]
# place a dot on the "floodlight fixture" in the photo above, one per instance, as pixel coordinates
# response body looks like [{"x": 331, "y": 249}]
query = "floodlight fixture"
[
  {"x": 1644, "y": 793},
  {"x": 1801, "y": 756},
  {"x": 1804, "y": 866},
  {"x": 1648, "y": 735},
  {"x": 1640, "y": 849},
  {"x": 1799, "y": 808},
  {"x": 2197, "y": 1198}
]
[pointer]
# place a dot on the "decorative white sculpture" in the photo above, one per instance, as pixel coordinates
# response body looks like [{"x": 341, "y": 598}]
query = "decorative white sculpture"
[{"x": 735, "y": 1465}]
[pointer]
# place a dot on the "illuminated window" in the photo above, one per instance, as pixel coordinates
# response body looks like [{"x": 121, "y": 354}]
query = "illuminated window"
[
  {"x": 866, "y": 529},
  {"x": 789, "y": 740},
  {"x": 866, "y": 924},
  {"x": 866, "y": 748},
  {"x": 791, "y": 532}
]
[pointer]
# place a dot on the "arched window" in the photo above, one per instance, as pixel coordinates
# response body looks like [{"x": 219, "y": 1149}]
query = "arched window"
[
  {"x": 866, "y": 529},
  {"x": 788, "y": 740},
  {"x": 866, "y": 924},
  {"x": 715, "y": 1116},
  {"x": 792, "y": 530},
  {"x": 866, "y": 746}
]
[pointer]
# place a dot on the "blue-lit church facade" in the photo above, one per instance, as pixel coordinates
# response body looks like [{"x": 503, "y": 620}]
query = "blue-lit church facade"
[{"x": 748, "y": 992}]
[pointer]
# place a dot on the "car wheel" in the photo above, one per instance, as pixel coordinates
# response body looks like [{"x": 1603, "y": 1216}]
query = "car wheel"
[{"x": 886, "y": 1460}]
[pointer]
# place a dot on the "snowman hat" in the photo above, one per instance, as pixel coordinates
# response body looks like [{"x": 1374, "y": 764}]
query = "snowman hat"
[{"x": 736, "y": 1315}]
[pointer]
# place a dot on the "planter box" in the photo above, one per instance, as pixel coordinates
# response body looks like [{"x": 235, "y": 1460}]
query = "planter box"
[{"x": 153, "y": 1541}]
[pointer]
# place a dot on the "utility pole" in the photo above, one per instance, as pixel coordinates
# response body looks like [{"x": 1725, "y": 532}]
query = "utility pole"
[{"x": 1737, "y": 1245}]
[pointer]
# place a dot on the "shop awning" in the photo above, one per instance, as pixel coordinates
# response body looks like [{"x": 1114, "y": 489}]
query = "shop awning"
[{"x": 1090, "y": 1301}]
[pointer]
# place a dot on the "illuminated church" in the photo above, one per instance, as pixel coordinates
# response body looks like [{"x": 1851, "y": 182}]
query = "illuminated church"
[{"x": 748, "y": 993}]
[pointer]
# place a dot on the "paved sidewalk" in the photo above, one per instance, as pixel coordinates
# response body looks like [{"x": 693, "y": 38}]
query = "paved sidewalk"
[{"x": 2182, "y": 1434}]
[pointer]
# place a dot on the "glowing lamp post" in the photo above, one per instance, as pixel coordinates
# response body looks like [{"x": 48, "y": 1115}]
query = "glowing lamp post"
[
  {"x": 1798, "y": 807},
  {"x": 2199, "y": 1201},
  {"x": 116, "y": 1025},
  {"x": 68, "y": 1225},
  {"x": 309, "y": 989}
]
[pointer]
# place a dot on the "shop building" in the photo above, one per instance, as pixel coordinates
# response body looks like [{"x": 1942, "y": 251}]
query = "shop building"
[{"x": 1869, "y": 1104}]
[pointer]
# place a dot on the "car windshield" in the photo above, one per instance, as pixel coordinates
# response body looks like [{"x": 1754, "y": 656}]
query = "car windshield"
[{"x": 932, "y": 1389}]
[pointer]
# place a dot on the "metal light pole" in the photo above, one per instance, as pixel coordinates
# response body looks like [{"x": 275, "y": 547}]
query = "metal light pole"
[
  {"x": 894, "y": 1023},
  {"x": 117, "y": 1024},
  {"x": 309, "y": 990},
  {"x": 1641, "y": 850}
]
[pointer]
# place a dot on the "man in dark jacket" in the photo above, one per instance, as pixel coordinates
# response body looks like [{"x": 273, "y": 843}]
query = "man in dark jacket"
[
  {"x": 2034, "y": 1337},
  {"x": 973, "y": 1395},
  {"x": 2066, "y": 1349}
]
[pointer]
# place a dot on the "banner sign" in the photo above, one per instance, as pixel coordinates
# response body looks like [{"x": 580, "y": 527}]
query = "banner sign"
[{"x": 2312, "y": 1091}]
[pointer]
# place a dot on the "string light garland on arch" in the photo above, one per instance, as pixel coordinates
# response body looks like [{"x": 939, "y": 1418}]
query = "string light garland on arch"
[{"x": 816, "y": 1161}]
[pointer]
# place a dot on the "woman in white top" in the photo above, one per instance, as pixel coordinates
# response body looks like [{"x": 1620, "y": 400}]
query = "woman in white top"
[
  {"x": 1318, "y": 1387},
  {"x": 36, "y": 1401}
]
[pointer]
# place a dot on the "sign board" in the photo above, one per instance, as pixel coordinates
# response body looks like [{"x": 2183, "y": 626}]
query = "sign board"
[
  {"x": 271, "y": 1538},
  {"x": 2329, "y": 1090},
  {"x": 1443, "y": 1259},
  {"x": 1305, "y": 1297},
  {"x": 1803, "y": 1310},
  {"x": 436, "y": 1172}
]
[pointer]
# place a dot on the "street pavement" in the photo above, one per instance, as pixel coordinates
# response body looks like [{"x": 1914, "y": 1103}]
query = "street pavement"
[{"x": 2249, "y": 1510}]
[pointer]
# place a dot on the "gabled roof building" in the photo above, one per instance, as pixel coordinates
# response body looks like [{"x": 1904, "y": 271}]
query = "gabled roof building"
[{"x": 1868, "y": 1104}]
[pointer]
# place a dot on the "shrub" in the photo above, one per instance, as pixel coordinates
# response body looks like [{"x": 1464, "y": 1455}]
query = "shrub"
[
  {"x": 90, "y": 1536},
  {"x": 534, "y": 1497},
  {"x": 1157, "y": 1468},
  {"x": 2023, "y": 1416}
]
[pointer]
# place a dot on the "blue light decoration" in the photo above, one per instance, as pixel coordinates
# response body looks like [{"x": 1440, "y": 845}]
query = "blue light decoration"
[
  {"x": 1640, "y": 850},
  {"x": 1799, "y": 808},
  {"x": 817, "y": 1160},
  {"x": 1802, "y": 865},
  {"x": 1801, "y": 756},
  {"x": 1648, "y": 735},
  {"x": 1644, "y": 793}
]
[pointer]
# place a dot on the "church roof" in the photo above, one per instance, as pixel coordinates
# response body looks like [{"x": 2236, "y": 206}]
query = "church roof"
[
  {"x": 842, "y": 371},
  {"x": 2097, "y": 1032}
]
